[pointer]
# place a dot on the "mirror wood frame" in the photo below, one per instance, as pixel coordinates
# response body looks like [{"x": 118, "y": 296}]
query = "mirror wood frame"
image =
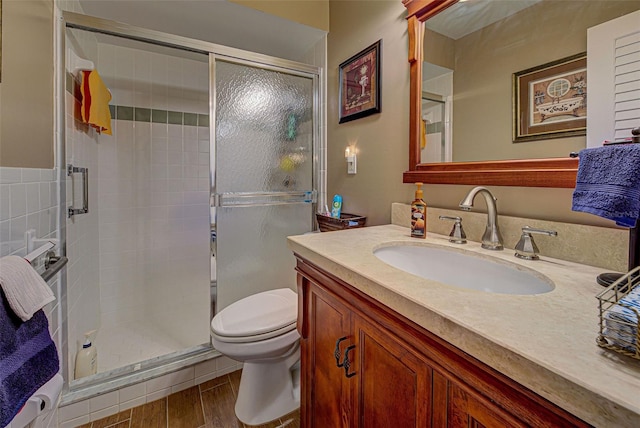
[{"x": 550, "y": 172}]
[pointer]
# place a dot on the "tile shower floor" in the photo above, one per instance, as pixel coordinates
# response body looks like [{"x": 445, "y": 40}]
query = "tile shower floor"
[
  {"x": 124, "y": 345},
  {"x": 208, "y": 405}
]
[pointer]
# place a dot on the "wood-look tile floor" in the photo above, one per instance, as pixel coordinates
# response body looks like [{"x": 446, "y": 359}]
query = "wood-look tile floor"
[{"x": 209, "y": 405}]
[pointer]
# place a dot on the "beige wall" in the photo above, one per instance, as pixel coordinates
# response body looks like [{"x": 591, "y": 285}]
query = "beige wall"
[
  {"x": 314, "y": 13},
  {"x": 381, "y": 139},
  {"x": 438, "y": 49},
  {"x": 26, "y": 90},
  {"x": 484, "y": 64}
]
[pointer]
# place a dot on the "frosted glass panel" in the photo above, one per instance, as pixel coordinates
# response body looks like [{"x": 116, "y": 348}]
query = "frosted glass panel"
[
  {"x": 252, "y": 248},
  {"x": 264, "y": 130}
]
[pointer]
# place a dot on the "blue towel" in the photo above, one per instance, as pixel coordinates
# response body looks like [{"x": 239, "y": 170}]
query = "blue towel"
[
  {"x": 28, "y": 359},
  {"x": 608, "y": 183}
]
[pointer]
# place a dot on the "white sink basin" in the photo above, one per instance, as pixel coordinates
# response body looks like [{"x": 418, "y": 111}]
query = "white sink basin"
[{"x": 464, "y": 269}]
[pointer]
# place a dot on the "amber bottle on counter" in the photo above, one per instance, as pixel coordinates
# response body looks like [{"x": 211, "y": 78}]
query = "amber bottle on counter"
[{"x": 418, "y": 215}]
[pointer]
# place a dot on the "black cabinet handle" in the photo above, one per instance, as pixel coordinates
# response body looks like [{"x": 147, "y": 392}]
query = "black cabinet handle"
[
  {"x": 336, "y": 351},
  {"x": 346, "y": 363}
]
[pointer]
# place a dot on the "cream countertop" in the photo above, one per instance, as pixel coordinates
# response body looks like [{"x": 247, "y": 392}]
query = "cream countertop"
[{"x": 545, "y": 342}]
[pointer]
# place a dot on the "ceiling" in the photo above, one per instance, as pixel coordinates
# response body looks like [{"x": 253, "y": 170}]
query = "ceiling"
[
  {"x": 465, "y": 17},
  {"x": 216, "y": 21}
]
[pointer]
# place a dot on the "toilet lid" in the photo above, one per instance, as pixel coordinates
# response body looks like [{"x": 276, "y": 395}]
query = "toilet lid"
[{"x": 269, "y": 311}]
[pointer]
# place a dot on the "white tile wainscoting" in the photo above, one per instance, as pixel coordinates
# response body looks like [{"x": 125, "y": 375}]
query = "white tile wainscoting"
[
  {"x": 111, "y": 403},
  {"x": 29, "y": 200}
]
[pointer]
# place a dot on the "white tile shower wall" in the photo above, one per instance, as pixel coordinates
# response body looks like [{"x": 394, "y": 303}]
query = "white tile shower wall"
[
  {"x": 178, "y": 266},
  {"x": 151, "y": 80},
  {"x": 154, "y": 193},
  {"x": 121, "y": 293},
  {"x": 175, "y": 223},
  {"x": 154, "y": 218},
  {"x": 29, "y": 200}
]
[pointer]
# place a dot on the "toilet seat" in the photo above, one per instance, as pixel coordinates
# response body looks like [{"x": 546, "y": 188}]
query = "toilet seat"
[{"x": 257, "y": 317}]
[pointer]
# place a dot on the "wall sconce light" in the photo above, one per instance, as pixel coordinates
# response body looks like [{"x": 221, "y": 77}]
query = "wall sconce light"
[{"x": 350, "y": 156}]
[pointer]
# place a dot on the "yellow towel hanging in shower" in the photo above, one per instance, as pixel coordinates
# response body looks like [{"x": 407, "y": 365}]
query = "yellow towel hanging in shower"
[{"x": 95, "y": 102}]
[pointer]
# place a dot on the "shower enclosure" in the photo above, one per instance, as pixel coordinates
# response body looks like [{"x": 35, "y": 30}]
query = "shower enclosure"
[
  {"x": 433, "y": 118},
  {"x": 209, "y": 166},
  {"x": 437, "y": 113}
]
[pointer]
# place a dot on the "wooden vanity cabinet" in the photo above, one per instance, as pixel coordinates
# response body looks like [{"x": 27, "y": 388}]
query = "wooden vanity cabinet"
[
  {"x": 363, "y": 365},
  {"x": 388, "y": 376}
]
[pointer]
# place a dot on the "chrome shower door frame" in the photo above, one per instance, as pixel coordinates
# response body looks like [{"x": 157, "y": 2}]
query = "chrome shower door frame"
[{"x": 109, "y": 381}]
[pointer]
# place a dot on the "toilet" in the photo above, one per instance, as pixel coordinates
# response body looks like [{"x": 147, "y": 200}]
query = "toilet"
[{"x": 260, "y": 331}]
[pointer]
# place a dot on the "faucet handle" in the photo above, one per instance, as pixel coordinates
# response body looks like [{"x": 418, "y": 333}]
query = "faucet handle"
[
  {"x": 457, "y": 235},
  {"x": 526, "y": 247}
]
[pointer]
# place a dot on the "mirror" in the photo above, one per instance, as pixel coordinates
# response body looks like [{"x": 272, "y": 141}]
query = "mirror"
[{"x": 465, "y": 58}]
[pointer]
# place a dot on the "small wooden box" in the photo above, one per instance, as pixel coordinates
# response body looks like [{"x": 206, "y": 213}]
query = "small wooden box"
[{"x": 346, "y": 221}]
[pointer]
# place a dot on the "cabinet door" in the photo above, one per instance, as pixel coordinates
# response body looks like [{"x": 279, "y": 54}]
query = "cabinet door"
[
  {"x": 326, "y": 387},
  {"x": 468, "y": 410},
  {"x": 393, "y": 384}
]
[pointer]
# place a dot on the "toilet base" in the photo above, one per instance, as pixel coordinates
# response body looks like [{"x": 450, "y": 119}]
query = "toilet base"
[{"x": 269, "y": 391}]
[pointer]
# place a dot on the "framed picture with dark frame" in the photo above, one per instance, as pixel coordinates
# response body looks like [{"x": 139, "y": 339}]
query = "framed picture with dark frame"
[
  {"x": 550, "y": 100},
  {"x": 360, "y": 84}
]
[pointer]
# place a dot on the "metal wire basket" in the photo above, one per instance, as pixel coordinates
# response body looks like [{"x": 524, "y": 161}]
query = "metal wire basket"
[{"x": 620, "y": 315}]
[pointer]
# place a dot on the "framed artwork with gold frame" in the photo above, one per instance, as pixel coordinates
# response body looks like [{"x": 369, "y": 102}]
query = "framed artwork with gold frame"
[{"x": 550, "y": 100}]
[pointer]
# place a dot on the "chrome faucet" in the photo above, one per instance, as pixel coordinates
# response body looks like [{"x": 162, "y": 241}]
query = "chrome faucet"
[{"x": 491, "y": 240}]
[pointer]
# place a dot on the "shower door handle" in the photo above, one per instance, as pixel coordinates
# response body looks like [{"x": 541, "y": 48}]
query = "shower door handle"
[{"x": 85, "y": 189}]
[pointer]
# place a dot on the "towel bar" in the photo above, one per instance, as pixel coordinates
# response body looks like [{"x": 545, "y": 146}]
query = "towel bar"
[
  {"x": 32, "y": 256},
  {"x": 53, "y": 267},
  {"x": 30, "y": 243},
  {"x": 52, "y": 263}
]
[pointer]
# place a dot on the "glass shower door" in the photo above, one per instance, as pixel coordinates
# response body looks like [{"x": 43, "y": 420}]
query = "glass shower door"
[
  {"x": 139, "y": 258},
  {"x": 263, "y": 181}
]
